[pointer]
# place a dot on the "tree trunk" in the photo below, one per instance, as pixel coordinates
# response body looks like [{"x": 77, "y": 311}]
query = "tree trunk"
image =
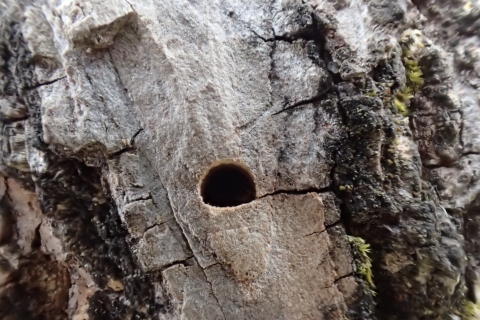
[{"x": 252, "y": 159}]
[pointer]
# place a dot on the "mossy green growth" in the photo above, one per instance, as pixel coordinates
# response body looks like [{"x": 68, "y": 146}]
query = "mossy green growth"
[
  {"x": 364, "y": 262},
  {"x": 402, "y": 99},
  {"x": 414, "y": 75},
  {"x": 471, "y": 311},
  {"x": 414, "y": 79}
]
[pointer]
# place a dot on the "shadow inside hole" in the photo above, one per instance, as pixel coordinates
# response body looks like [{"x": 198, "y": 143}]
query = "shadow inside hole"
[{"x": 227, "y": 185}]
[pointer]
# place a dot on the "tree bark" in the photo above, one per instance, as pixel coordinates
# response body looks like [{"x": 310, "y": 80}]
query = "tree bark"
[{"x": 278, "y": 159}]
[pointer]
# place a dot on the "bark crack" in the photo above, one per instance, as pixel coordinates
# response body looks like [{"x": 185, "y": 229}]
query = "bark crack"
[
  {"x": 183, "y": 262},
  {"x": 132, "y": 7},
  {"x": 7, "y": 190},
  {"x": 460, "y": 133},
  {"x": 339, "y": 222},
  {"x": 303, "y": 102},
  {"x": 254, "y": 121},
  {"x": 351, "y": 274},
  {"x": 44, "y": 83},
  {"x": 315, "y": 233},
  {"x": 156, "y": 225},
  {"x": 132, "y": 140},
  {"x": 120, "y": 152},
  {"x": 297, "y": 191},
  {"x": 259, "y": 36},
  {"x": 128, "y": 148},
  {"x": 276, "y": 38},
  {"x": 213, "y": 293},
  {"x": 189, "y": 247}
]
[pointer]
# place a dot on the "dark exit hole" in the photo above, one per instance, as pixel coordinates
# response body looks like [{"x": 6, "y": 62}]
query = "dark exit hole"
[{"x": 227, "y": 185}]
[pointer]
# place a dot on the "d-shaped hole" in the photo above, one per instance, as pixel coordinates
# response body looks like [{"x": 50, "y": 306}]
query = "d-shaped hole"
[{"x": 228, "y": 185}]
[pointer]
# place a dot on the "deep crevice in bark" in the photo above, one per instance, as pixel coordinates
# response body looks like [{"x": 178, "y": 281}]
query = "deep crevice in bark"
[
  {"x": 303, "y": 103},
  {"x": 44, "y": 84}
]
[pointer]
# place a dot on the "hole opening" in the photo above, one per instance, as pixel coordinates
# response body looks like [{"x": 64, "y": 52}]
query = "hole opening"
[{"x": 228, "y": 185}]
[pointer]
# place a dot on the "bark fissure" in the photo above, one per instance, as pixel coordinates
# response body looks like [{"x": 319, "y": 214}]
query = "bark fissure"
[
  {"x": 183, "y": 262},
  {"x": 186, "y": 240},
  {"x": 277, "y": 38},
  {"x": 213, "y": 293},
  {"x": 338, "y": 223},
  {"x": 351, "y": 274},
  {"x": 299, "y": 104},
  {"x": 296, "y": 192},
  {"x": 120, "y": 152},
  {"x": 154, "y": 225},
  {"x": 42, "y": 84},
  {"x": 131, "y": 6},
  {"x": 132, "y": 140}
]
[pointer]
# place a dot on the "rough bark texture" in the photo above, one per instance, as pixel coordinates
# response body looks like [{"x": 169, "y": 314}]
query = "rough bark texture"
[{"x": 207, "y": 159}]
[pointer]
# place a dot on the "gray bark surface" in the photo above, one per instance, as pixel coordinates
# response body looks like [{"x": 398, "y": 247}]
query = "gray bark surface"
[{"x": 251, "y": 159}]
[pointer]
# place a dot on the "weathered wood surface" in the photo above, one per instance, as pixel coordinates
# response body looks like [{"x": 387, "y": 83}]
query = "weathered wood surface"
[{"x": 207, "y": 159}]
